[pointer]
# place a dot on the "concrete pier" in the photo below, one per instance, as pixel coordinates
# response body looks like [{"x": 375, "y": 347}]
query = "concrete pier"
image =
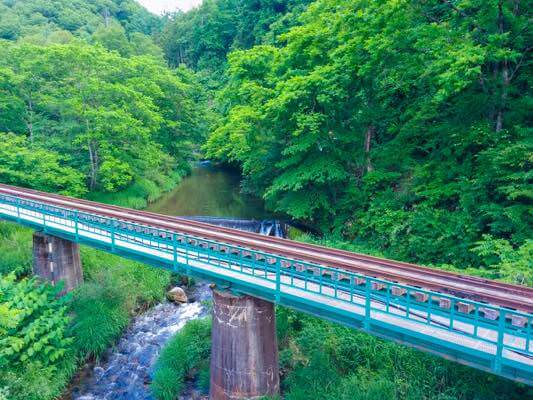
[
  {"x": 56, "y": 259},
  {"x": 244, "y": 354}
]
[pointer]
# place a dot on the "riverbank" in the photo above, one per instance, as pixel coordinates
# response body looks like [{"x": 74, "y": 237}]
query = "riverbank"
[
  {"x": 142, "y": 192},
  {"x": 114, "y": 291},
  {"x": 124, "y": 371},
  {"x": 327, "y": 361}
]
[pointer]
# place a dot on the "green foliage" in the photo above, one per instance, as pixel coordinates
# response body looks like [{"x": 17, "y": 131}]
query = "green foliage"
[
  {"x": 35, "y": 348},
  {"x": 115, "y": 38},
  {"x": 326, "y": 361},
  {"x": 115, "y": 121},
  {"x": 22, "y": 165},
  {"x": 102, "y": 313},
  {"x": 39, "y": 19},
  {"x": 402, "y": 124},
  {"x": 15, "y": 248},
  {"x": 183, "y": 357},
  {"x": 33, "y": 382},
  {"x": 89, "y": 109},
  {"x": 506, "y": 262},
  {"x": 33, "y": 323},
  {"x": 398, "y": 126},
  {"x": 201, "y": 38},
  {"x": 114, "y": 290}
]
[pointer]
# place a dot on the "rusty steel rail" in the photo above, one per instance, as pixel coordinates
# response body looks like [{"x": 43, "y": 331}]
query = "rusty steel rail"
[{"x": 468, "y": 287}]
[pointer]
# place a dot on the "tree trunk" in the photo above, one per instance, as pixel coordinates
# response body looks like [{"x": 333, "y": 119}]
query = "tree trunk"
[
  {"x": 29, "y": 122},
  {"x": 92, "y": 147},
  {"x": 505, "y": 80},
  {"x": 180, "y": 54},
  {"x": 93, "y": 159},
  {"x": 369, "y": 135},
  {"x": 106, "y": 17}
]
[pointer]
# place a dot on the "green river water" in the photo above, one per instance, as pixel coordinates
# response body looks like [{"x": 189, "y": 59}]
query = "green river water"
[{"x": 210, "y": 191}]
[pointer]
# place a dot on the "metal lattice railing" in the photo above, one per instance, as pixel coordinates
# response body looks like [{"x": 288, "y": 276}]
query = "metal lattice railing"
[{"x": 503, "y": 328}]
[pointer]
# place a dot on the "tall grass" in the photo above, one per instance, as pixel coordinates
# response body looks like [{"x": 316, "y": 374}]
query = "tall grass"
[
  {"x": 321, "y": 360},
  {"x": 15, "y": 249},
  {"x": 102, "y": 311},
  {"x": 185, "y": 355},
  {"x": 115, "y": 289}
]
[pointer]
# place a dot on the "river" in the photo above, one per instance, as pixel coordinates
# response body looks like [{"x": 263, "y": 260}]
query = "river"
[
  {"x": 210, "y": 191},
  {"x": 125, "y": 371}
]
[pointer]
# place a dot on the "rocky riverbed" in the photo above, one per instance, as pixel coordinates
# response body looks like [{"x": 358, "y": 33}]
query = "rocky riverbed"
[{"x": 124, "y": 373}]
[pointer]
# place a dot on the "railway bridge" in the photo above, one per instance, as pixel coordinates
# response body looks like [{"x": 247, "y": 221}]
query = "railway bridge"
[{"x": 481, "y": 323}]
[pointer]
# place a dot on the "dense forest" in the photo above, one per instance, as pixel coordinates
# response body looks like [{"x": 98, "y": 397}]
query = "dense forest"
[
  {"x": 202, "y": 38},
  {"x": 94, "y": 106},
  {"x": 394, "y": 127},
  {"x": 44, "y": 20},
  {"x": 401, "y": 124}
]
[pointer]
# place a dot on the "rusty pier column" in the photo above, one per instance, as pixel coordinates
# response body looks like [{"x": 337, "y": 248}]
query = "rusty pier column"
[
  {"x": 244, "y": 354},
  {"x": 56, "y": 259}
]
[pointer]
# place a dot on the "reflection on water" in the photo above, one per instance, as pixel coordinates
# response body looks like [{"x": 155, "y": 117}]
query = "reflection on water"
[{"x": 210, "y": 191}]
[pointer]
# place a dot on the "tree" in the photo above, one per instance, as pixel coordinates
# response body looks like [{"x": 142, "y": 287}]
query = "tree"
[
  {"x": 113, "y": 37},
  {"x": 22, "y": 165},
  {"x": 115, "y": 119},
  {"x": 41, "y": 18},
  {"x": 203, "y": 37},
  {"x": 389, "y": 122}
]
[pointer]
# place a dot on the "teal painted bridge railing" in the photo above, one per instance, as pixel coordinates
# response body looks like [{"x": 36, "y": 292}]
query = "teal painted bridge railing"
[{"x": 484, "y": 336}]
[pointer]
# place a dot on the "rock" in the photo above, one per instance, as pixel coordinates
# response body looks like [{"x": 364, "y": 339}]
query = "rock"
[
  {"x": 177, "y": 295},
  {"x": 98, "y": 371}
]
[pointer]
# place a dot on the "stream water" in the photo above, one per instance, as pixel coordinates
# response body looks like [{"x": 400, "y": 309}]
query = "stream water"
[
  {"x": 126, "y": 370},
  {"x": 209, "y": 194}
]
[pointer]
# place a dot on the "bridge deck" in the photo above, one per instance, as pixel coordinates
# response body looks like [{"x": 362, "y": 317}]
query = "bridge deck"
[{"x": 493, "y": 345}]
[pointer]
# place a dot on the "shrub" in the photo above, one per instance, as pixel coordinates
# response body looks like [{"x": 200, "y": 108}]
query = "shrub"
[
  {"x": 36, "y": 358},
  {"x": 33, "y": 323},
  {"x": 185, "y": 355},
  {"x": 511, "y": 264},
  {"x": 330, "y": 362}
]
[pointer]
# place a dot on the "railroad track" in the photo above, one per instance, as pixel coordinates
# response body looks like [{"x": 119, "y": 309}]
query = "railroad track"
[{"x": 468, "y": 287}]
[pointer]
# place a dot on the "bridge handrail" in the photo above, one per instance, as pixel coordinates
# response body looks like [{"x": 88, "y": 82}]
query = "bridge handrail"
[{"x": 374, "y": 290}]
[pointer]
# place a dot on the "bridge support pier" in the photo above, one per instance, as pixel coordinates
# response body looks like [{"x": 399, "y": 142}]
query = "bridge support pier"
[
  {"x": 244, "y": 355},
  {"x": 56, "y": 259}
]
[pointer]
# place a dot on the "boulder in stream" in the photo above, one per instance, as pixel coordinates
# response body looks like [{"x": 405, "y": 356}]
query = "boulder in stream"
[{"x": 177, "y": 295}]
